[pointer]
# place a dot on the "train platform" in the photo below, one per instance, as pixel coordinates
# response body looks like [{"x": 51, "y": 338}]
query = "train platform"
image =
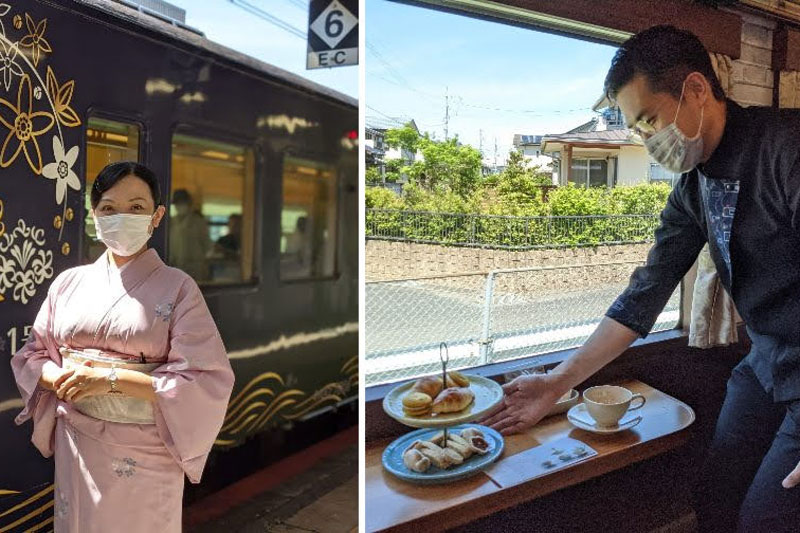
[{"x": 315, "y": 490}]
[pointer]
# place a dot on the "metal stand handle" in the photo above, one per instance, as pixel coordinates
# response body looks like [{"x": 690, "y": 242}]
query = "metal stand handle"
[{"x": 444, "y": 357}]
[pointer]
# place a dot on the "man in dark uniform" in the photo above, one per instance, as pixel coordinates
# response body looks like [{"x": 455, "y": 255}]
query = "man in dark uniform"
[{"x": 740, "y": 192}]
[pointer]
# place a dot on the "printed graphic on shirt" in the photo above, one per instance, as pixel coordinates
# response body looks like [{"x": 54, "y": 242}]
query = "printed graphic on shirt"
[{"x": 720, "y": 198}]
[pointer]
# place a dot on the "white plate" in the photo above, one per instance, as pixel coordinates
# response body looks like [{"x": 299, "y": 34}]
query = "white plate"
[
  {"x": 580, "y": 418},
  {"x": 488, "y": 393}
]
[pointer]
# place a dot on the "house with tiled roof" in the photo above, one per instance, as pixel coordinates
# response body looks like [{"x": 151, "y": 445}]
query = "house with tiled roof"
[{"x": 601, "y": 153}]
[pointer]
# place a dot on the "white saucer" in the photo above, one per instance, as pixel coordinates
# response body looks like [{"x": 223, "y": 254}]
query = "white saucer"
[{"x": 580, "y": 418}]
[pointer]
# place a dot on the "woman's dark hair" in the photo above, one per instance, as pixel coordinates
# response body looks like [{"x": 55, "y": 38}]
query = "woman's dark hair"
[
  {"x": 111, "y": 174},
  {"x": 665, "y": 55}
]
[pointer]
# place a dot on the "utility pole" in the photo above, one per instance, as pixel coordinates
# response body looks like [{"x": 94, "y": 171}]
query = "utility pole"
[
  {"x": 446, "y": 113},
  {"x": 480, "y": 142},
  {"x": 495, "y": 155}
]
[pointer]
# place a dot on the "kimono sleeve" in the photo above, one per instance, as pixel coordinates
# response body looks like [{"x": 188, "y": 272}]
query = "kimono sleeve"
[
  {"x": 27, "y": 363},
  {"x": 679, "y": 240},
  {"x": 194, "y": 385}
]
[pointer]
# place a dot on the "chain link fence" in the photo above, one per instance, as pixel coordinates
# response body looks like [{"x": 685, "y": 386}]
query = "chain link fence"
[
  {"x": 517, "y": 233},
  {"x": 486, "y": 318}
]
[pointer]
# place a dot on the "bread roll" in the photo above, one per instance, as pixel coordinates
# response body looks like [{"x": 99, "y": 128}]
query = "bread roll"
[
  {"x": 457, "y": 379},
  {"x": 453, "y": 400},
  {"x": 430, "y": 385},
  {"x": 415, "y": 460}
]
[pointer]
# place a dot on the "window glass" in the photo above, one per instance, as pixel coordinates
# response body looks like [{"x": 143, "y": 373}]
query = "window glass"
[
  {"x": 211, "y": 223},
  {"x": 598, "y": 173},
  {"x": 659, "y": 174},
  {"x": 578, "y": 174},
  {"x": 308, "y": 220},
  {"x": 107, "y": 142}
]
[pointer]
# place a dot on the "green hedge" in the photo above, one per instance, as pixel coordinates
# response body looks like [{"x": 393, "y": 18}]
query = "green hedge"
[{"x": 569, "y": 217}]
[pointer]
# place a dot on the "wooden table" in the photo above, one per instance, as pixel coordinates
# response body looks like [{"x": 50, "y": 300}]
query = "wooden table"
[{"x": 395, "y": 505}]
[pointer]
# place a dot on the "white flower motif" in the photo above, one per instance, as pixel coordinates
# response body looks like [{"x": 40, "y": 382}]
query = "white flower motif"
[
  {"x": 4, "y": 9},
  {"x": 61, "y": 170},
  {"x": 23, "y": 264},
  {"x": 8, "y": 64}
]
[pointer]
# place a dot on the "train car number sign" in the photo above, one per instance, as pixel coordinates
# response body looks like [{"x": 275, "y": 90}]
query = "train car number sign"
[{"x": 332, "y": 33}]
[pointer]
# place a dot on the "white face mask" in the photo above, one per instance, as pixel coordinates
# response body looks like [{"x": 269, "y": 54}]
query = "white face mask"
[
  {"x": 124, "y": 234},
  {"x": 672, "y": 149}
]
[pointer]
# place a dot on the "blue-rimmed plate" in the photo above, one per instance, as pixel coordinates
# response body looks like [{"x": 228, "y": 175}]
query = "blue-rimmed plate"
[{"x": 393, "y": 457}]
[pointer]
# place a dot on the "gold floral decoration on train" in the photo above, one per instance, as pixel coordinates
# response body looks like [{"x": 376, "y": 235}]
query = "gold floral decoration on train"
[
  {"x": 266, "y": 400},
  {"x": 62, "y": 97},
  {"x": 24, "y": 125},
  {"x": 27, "y": 88},
  {"x": 35, "y": 39}
]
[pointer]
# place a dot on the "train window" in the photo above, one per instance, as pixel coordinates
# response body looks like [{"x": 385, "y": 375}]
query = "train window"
[
  {"x": 308, "y": 220},
  {"x": 212, "y": 206},
  {"x": 107, "y": 141}
]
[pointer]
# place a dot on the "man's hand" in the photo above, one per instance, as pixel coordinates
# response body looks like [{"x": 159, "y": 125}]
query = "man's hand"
[
  {"x": 527, "y": 400},
  {"x": 793, "y": 478}
]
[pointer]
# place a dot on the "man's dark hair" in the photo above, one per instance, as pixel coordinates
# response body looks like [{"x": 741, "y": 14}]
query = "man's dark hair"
[
  {"x": 181, "y": 196},
  {"x": 665, "y": 55},
  {"x": 113, "y": 173}
]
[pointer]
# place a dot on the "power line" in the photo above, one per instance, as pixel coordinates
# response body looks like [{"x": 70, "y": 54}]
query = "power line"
[
  {"x": 272, "y": 19},
  {"x": 299, "y": 3}
]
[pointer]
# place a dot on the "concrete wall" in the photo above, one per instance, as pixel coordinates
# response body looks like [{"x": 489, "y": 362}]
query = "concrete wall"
[{"x": 388, "y": 260}]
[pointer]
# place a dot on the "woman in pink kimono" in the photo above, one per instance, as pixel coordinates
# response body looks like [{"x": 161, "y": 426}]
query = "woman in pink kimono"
[{"x": 124, "y": 375}]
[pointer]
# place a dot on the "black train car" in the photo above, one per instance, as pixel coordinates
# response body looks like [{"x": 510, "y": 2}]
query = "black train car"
[{"x": 268, "y": 158}]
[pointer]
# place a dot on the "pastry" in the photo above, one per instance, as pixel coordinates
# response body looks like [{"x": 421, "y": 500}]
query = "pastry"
[
  {"x": 457, "y": 379},
  {"x": 452, "y": 455},
  {"x": 454, "y": 441},
  {"x": 478, "y": 444},
  {"x": 414, "y": 460},
  {"x": 471, "y": 432},
  {"x": 429, "y": 385},
  {"x": 416, "y": 404},
  {"x": 417, "y": 400},
  {"x": 453, "y": 400},
  {"x": 476, "y": 440},
  {"x": 437, "y": 455}
]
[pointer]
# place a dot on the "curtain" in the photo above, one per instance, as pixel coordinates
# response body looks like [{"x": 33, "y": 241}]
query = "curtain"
[{"x": 714, "y": 317}]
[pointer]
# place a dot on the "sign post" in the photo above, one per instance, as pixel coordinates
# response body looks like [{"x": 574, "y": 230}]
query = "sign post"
[{"x": 332, "y": 33}]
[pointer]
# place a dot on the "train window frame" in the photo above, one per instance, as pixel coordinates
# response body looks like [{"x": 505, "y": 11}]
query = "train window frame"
[
  {"x": 142, "y": 156},
  {"x": 212, "y": 134},
  {"x": 326, "y": 158}
]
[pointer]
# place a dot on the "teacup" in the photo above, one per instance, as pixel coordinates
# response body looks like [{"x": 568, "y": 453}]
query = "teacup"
[{"x": 607, "y": 404}]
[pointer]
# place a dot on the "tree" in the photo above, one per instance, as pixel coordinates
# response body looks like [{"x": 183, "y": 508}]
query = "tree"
[
  {"x": 405, "y": 138},
  {"x": 520, "y": 187},
  {"x": 446, "y": 166}
]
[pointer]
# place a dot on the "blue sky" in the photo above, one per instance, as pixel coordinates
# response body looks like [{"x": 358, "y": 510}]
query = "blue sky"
[
  {"x": 540, "y": 83},
  {"x": 232, "y": 26}
]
